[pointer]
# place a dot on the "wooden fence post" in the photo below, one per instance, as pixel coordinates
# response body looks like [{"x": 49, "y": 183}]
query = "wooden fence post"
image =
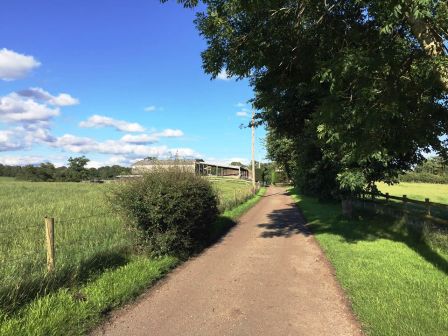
[
  {"x": 387, "y": 197},
  {"x": 428, "y": 207},
  {"x": 405, "y": 202},
  {"x": 49, "y": 233}
]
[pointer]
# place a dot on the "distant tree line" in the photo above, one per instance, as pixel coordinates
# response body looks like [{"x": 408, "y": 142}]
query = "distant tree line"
[
  {"x": 75, "y": 171},
  {"x": 434, "y": 170}
]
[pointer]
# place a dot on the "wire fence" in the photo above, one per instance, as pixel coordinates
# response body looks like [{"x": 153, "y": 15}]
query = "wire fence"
[{"x": 21, "y": 241}]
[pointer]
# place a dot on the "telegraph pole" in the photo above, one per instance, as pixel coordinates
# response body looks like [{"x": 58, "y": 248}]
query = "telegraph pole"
[{"x": 253, "y": 149}]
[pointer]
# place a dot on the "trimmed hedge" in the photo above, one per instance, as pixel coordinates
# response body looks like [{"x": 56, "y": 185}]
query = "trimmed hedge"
[{"x": 171, "y": 210}]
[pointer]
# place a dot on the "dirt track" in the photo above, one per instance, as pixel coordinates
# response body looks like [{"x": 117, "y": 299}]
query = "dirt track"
[{"x": 266, "y": 277}]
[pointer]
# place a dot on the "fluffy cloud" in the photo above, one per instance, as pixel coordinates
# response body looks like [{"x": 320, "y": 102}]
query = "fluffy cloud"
[
  {"x": 23, "y": 137},
  {"x": 129, "y": 150},
  {"x": 16, "y": 108},
  {"x": 169, "y": 133},
  {"x": 241, "y": 105},
  {"x": 14, "y": 65},
  {"x": 21, "y": 160},
  {"x": 63, "y": 99},
  {"x": 153, "y": 137},
  {"x": 30, "y": 112},
  {"x": 33, "y": 105},
  {"x": 9, "y": 142},
  {"x": 141, "y": 138},
  {"x": 97, "y": 121}
]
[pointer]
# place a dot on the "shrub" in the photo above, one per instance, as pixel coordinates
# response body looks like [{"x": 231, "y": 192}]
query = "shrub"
[{"x": 172, "y": 210}]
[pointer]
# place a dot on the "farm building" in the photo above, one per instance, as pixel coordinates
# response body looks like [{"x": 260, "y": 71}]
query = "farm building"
[{"x": 198, "y": 166}]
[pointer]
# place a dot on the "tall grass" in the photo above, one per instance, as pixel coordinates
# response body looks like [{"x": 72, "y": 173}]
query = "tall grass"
[
  {"x": 75, "y": 311},
  {"x": 89, "y": 237}
]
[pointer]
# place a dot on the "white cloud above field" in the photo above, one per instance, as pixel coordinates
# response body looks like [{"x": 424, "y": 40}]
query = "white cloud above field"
[
  {"x": 21, "y": 160},
  {"x": 139, "y": 139},
  {"x": 128, "y": 146},
  {"x": 97, "y": 121},
  {"x": 152, "y": 137},
  {"x": 16, "y": 108},
  {"x": 28, "y": 115},
  {"x": 14, "y": 65}
]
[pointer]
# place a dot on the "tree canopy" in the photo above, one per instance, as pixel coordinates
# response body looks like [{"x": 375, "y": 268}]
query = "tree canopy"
[{"x": 359, "y": 88}]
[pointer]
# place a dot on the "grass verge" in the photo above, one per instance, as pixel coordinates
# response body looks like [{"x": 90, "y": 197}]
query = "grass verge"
[
  {"x": 77, "y": 310},
  {"x": 398, "y": 285},
  {"x": 228, "y": 219}
]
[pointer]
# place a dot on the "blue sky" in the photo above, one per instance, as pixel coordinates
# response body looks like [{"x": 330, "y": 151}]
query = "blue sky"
[{"x": 115, "y": 81}]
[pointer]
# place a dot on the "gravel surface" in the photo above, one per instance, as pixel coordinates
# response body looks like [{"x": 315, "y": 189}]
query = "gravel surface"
[{"x": 268, "y": 276}]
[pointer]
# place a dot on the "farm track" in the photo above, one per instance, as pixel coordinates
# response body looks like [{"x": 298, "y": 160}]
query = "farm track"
[{"x": 268, "y": 276}]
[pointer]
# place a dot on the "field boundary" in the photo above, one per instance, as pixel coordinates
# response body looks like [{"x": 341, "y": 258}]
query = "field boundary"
[
  {"x": 82, "y": 308},
  {"x": 416, "y": 213}
]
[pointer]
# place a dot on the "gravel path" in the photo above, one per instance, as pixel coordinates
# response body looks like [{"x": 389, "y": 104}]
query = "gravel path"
[{"x": 268, "y": 276}]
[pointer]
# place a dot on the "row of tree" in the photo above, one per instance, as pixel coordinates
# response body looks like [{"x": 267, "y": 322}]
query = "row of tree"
[
  {"x": 434, "y": 170},
  {"x": 352, "y": 92},
  {"x": 75, "y": 171}
]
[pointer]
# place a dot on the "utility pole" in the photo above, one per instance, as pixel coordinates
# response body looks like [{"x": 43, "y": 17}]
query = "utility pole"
[{"x": 253, "y": 149}]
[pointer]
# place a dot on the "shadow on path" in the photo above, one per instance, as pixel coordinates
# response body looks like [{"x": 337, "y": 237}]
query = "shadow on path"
[{"x": 284, "y": 223}]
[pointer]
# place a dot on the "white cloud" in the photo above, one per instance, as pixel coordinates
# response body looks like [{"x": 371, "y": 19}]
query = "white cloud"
[
  {"x": 153, "y": 137},
  {"x": 242, "y": 114},
  {"x": 151, "y": 108},
  {"x": 223, "y": 75},
  {"x": 240, "y": 105},
  {"x": 23, "y": 137},
  {"x": 63, "y": 99},
  {"x": 14, "y": 65},
  {"x": 9, "y": 142},
  {"x": 76, "y": 144},
  {"x": 184, "y": 152},
  {"x": 21, "y": 160},
  {"x": 15, "y": 108},
  {"x": 96, "y": 121},
  {"x": 169, "y": 133},
  {"x": 141, "y": 138}
]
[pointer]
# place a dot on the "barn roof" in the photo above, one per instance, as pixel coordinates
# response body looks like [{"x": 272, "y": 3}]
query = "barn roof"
[
  {"x": 147, "y": 162},
  {"x": 186, "y": 162}
]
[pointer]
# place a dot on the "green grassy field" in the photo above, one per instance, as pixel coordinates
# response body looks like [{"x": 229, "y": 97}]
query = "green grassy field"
[
  {"x": 437, "y": 193},
  {"x": 88, "y": 236},
  {"x": 398, "y": 285}
]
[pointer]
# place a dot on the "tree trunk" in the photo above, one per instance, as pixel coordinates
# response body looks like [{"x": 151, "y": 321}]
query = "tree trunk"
[{"x": 431, "y": 43}]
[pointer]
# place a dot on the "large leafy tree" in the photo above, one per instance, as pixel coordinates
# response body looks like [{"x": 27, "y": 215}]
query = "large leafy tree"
[{"x": 364, "y": 82}]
